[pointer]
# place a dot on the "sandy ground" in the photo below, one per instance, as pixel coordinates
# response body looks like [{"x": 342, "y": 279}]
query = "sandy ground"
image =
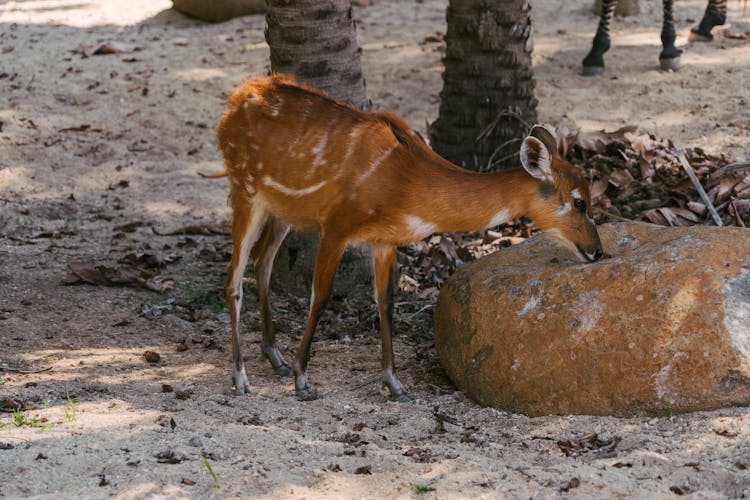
[{"x": 97, "y": 152}]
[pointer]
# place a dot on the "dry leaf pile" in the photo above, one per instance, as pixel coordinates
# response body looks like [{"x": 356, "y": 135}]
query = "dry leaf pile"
[{"x": 639, "y": 177}]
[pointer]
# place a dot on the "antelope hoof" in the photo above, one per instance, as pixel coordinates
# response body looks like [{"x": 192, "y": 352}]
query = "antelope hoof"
[
  {"x": 398, "y": 394},
  {"x": 278, "y": 364},
  {"x": 402, "y": 398},
  {"x": 303, "y": 389},
  {"x": 670, "y": 64},
  {"x": 307, "y": 394},
  {"x": 241, "y": 384},
  {"x": 592, "y": 70},
  {"x": 283, "y": 370}
]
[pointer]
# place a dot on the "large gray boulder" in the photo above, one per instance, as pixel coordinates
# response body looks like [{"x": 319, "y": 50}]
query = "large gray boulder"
[{"x": 661, "y": 326}]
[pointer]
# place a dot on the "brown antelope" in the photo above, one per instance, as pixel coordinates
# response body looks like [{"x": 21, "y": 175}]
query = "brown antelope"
[{"x": 298, "y": 158}]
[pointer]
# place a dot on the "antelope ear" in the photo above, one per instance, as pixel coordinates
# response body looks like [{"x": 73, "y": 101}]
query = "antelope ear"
[
  {"x": 549, "y": 136},
  {"x": 536, "y": 159}
]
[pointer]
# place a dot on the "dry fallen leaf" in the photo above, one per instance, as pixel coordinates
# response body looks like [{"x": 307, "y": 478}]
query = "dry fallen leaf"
[
  {"x": 106, "y": 47},
  {"x": 597, "y": 140},
  {"x": 588, "y": 443},
  {"x": 119, "y": 276}
]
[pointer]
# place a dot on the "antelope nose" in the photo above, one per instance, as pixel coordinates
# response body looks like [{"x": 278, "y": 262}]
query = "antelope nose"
[{"x": 598, "y": 253}]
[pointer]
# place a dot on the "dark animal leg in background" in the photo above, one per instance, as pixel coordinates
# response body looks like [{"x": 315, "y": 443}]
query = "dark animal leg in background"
[
  {"x": 715, "y": 15},
  {"x": 669, "y": 59},
  {"x": 593, "y": 63}
]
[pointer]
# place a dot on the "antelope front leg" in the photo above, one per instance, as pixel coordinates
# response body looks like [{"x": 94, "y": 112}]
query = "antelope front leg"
[
  {"x": 326, "y": 262},
  {"x": 384, "y": 267}
]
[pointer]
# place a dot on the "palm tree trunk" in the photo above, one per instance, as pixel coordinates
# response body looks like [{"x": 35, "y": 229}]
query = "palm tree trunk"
[
  {"x": 487, "y": 101},
  {"x": 316, "y": 41}
]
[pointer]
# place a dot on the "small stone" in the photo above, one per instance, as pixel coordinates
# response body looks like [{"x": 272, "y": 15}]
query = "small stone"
[
  {"x": 152, "y": 357},
  {"x": 183, "y": 394}
]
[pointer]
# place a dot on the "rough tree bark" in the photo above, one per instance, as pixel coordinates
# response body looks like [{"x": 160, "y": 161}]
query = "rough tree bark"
[
  {"x": 315, "y": 40},
  {"x": 487, "y": 101}
]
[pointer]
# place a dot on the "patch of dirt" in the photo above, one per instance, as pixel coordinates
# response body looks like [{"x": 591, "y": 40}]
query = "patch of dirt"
[{"x": 123, "y": 390}]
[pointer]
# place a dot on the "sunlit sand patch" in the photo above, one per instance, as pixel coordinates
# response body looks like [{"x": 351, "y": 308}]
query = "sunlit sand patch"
[
  {"x": 67, "y": 365},
  {"x": 165, "y": 209},
  {"x": 80, "y": 14},
  {"x": 16, "y": 178},
  {"x": 200, "y": 74},
  {"x": 114, "y": 417}
]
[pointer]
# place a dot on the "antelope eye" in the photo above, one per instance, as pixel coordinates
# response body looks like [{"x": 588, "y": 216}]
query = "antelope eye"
[{"x": 579, "y": 204}]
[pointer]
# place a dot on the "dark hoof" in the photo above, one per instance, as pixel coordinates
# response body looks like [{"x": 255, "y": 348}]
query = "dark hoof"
[
  {"x": 670, "y": 64},
  {"x": 307, "y": 394},
  {"x": 242, "y": 388},
  {"x": 402, "y": 398},
  {"x": 283, "y": 370},
  {"x": 240, "y": 383},
  {"x": 592, "y": 71}
]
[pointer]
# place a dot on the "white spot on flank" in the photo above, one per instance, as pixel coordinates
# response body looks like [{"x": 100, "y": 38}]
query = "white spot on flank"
[
  {"x": 420, "y": 228},
  {"x": 318, "y": 151},
  {"x": 259, "y": 167},
  {"x": 500, "y": 218},
  {"x": 377, "y": 163},
  {"x": 290, "y": 191},
  {"x": 564, "y": 209},
  {"x": 351, "y": 143}
]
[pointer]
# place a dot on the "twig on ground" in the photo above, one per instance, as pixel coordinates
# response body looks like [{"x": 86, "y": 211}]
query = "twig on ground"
[
  {"x": 737, "y": 219},
  {"x": 612, "y": 216},
  {"x": 620, "y": 219},
  {"x": 21, "y": 371},
  {"x": 698, "y": 187},
  {"x": 730, "y": 167},
  {"x": 428, "y": 306},
  {"x": 367, "y": 382}
]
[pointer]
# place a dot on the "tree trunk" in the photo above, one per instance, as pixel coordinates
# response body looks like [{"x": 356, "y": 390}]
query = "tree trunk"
[
  {"x": 487, "y": 101},
  {"x": 315, "y": 40}
]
